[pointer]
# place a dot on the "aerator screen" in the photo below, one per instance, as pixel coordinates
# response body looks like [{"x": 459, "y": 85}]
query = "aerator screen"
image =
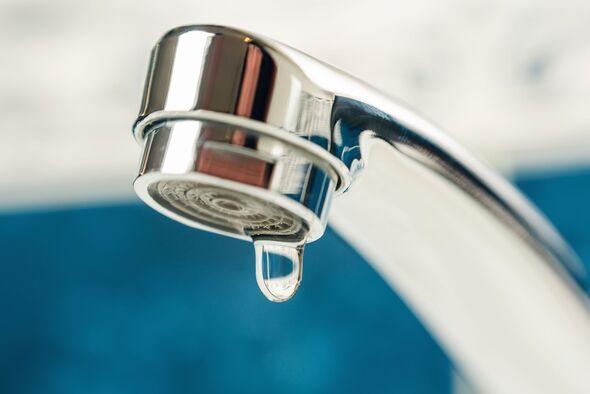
[{"x": 226, "y": 210}]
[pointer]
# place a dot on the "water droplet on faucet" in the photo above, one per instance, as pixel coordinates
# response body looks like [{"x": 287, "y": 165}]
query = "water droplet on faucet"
[{"x": 278, "y": 269}]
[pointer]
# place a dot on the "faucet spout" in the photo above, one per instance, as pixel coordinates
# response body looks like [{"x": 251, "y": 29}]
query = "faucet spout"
[{"x": 252, "y": 139}]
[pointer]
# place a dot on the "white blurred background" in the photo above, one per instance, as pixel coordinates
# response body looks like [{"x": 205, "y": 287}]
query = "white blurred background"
[{"x": 510, "y": 80}]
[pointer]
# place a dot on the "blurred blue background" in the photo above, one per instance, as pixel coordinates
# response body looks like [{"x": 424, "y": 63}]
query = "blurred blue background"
[{"x": 119, "y": 299}]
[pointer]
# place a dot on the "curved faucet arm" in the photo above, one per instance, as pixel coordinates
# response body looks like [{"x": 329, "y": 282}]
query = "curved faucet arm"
[
  {"x": 490, "y": 277},
  {"x": 422, "y": 142},
  {"x": 484, "y": 272}
]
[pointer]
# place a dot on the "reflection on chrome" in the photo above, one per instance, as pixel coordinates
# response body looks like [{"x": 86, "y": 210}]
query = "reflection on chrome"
[{"x": 249, "y": 138}]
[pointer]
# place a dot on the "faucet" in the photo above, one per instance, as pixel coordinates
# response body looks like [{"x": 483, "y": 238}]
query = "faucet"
[{"x": 249, "y": 138}]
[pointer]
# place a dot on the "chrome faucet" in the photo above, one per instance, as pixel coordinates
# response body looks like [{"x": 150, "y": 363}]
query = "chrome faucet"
[{"x": 249, "y": 138}]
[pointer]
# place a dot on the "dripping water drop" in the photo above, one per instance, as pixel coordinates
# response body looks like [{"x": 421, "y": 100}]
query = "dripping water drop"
[{"x": 278, "y": 269}]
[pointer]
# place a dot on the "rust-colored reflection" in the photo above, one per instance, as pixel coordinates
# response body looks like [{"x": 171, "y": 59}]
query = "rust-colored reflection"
[
  {"x": 233, "y": 166},
  {"x": 250, "y": 76}
]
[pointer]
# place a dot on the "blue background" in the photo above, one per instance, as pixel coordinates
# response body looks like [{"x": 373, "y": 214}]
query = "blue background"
[{"x": 118, "y": 299}]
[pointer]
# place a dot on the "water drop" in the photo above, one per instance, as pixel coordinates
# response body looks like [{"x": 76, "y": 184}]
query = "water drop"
[{"x": 278, "y": 269}]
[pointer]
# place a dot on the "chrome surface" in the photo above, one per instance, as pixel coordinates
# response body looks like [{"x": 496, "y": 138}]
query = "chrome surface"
[
  {"x": 234, "y": 181},
  {"x": 485, "y": 272}
]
